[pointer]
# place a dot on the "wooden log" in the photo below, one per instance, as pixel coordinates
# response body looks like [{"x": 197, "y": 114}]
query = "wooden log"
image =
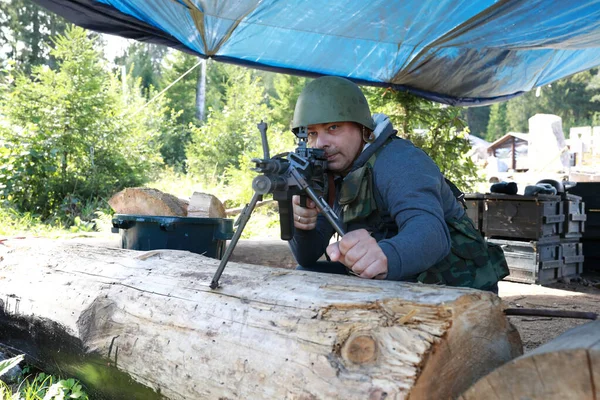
[
  {"x": 205, "y": 205},
  {"x": 147, "y": 201},
  {"x": 567, "y": 367},
  {"x": 267, "y": 333}
]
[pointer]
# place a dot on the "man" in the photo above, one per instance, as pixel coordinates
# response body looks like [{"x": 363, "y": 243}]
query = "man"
[{"x": 402, "y": 219}]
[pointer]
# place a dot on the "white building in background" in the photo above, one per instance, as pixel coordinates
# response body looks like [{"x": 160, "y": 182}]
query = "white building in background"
[
  {"x": 548, "y": 149},
  {"x": 584, "y": 143}
]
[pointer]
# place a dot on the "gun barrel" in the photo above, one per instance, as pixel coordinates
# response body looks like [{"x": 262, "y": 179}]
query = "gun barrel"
[
  {"x": 264, "y": 184},
  {"x": 272, "y": 166}
]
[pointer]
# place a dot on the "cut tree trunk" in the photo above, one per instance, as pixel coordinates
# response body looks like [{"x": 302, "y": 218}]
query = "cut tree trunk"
[
  {"x": 105, "y": 314},
  {"x": 146, "y": 201},
  {"x": 568, "y": 367},
  {"x": 206, "y": 206}
]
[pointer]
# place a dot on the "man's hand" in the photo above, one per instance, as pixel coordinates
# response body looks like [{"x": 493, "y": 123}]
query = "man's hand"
[
  {"x": 359, "y": 251},
  {"x": 305, "y": 218}
]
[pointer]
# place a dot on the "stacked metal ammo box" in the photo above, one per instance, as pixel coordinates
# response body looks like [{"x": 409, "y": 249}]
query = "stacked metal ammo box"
[{"x": 540, "y": 235}]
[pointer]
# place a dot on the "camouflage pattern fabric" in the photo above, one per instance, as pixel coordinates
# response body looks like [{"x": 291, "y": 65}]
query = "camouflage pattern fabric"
[
  {"x": 472, "y": 261},
  {"x": 356, "y": 194}
]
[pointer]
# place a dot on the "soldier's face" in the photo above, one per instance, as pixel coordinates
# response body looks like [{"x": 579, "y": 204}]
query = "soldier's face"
[{"x": 342, "y": 142}]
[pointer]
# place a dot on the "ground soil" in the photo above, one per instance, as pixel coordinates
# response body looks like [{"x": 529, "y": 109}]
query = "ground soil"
[{"x": 581, "y": 294}]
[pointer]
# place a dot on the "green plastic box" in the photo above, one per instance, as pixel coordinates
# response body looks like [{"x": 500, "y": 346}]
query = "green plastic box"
[{"x": 206, "y": 236}]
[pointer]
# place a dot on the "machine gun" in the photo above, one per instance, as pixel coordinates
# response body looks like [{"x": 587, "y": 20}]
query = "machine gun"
[{"x": 303, "y": 172}]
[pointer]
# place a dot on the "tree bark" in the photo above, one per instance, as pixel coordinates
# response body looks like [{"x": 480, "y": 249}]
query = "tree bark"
[
  {"x": 147, "y": 201},
  {"x": 568, "y": 367},
  {"x": 201, "y": 92},
  {"x": 266, "y": 333}
]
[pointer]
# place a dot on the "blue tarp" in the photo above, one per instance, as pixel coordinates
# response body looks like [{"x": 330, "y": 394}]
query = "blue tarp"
[{"x": 459, "y": 52}]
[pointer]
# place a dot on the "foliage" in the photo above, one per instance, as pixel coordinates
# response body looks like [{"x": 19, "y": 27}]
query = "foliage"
[
  {"x": 182, "y": 98},
  {"x": 230, "y": 135},
  {"x": 287, "y": 89},
  {"x": 8, "y": 364},
  {"x": 498, "y": 124},
  {"x": 66, "y": 137},
  {"x": 39, "y": 387},
  {"x": 571, "y": 98},
  {"x": 438, "y": 130},
  {"x": 477, "y": 120},
  {"x": 574, "y": 99},
  {"x": 143, "y": 61},
  {"x": 48, "y": 387},
  {"x": 26, "y": 30}
]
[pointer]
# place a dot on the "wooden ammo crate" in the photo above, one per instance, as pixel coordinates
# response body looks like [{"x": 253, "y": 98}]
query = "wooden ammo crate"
[
  {"x": 532, "y": 261},
  {"x": 474, "y": 203},
  {"x": 523, "y": 217},
  {"x": 575, "y": 217},
  {"x": 572, "y": 257}
]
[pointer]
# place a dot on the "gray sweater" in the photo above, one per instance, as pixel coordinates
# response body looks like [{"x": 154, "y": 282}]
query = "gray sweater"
[{"x": 413, "y": 194}]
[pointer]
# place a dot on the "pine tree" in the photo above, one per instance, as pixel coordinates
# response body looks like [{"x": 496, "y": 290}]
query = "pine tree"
[
  {"x": 143, "y": 60},
  {"x": 26, "y": 33},
  {"x": 498, "y": 125}
]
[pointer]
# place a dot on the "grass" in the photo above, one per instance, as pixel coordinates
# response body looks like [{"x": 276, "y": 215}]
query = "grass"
[
  {"x": 39, "y": 386},
  {"x": 14, "y": 223}
]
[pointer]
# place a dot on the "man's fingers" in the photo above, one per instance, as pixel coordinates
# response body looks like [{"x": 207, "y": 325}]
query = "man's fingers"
[
  {"x": 309, "y": 202},
  {"x": 358, "y": 257},
  {"x": 375, "y": 270},
  {"x": 350, "y": 239},
  {"x": 333, "y": 251}
]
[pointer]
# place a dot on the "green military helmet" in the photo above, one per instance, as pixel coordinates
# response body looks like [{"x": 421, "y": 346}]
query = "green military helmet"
[{"x": 331, "y": 99}]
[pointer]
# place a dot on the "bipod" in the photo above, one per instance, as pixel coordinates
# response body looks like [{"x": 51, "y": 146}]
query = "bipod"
[{"x": 242, "y": 221}]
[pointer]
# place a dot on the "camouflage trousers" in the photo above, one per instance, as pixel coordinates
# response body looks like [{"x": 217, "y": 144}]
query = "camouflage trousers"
[{"x": 472, "y": 261}]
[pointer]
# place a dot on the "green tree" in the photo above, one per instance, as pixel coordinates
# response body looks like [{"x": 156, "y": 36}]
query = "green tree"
[
  {"x": 183, "y": 98},
  {"x": 26, "y": 28},
  {"x": 182, "y": 95},
  {"x": 230, "y": 132},
  {"x": 477, "y": 119},
  {"x": 69, "y": 135},
  {"x": 436, "y": 129},
  {"x": 570, "y": 98},
  {"x": 498, "y": 124},
  {"x": 520, "y": 109},
  {"x": 143, "y": 60},
  {"x": 287, "y": 89},
  {"x": 221, "y": 150}
]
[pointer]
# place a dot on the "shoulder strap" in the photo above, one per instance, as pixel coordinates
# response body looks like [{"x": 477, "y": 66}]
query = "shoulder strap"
[{"x": 460, "y": 196}]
